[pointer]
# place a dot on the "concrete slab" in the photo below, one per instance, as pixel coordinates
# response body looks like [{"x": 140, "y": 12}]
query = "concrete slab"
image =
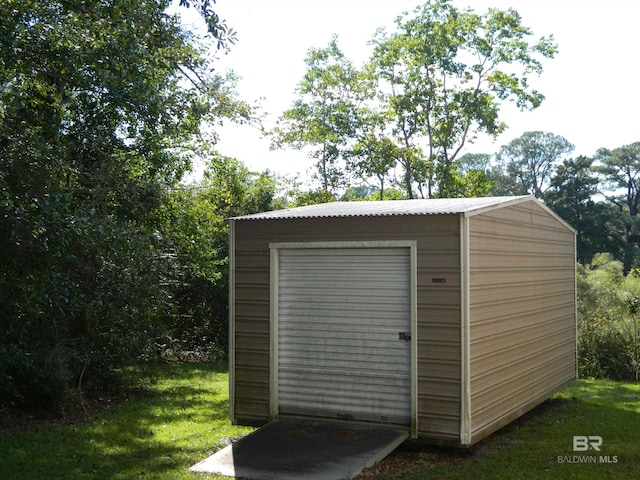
[{"x": 294, "y": 449}]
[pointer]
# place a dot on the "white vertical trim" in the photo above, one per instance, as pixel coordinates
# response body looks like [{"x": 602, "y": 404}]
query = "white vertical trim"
[
  {"x": 232, "y": 319},
  {"x": 413, "y": 247},
  {"x": 575, "y": 298},
  {"x": 273, "y": 332},
  {"x": 465, "y": 390}
]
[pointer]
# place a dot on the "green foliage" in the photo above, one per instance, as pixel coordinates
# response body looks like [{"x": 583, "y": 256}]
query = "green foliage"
[
  {"x": 429, "y": 88},
  {"x": 356, "y": 194},
  {"x": 608, "y": 320},
  {"x": 444, "y": 74},
  {"x": 196, "y": 228},
  {"x": 223, "y": 34},
  {"x": 373, "y": 154},
  {"x": 101, "y": 108},
  {"x": 570, "y": 195},
  {"x": 322, "y": 117},
  {"x": 312, "y": 197},
  {"x": 620, "y": 169},
  {"x": 531, "y": 160}
]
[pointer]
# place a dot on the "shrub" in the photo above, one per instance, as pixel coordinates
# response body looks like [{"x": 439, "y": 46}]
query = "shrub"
[{"x": 608, "y": 320}]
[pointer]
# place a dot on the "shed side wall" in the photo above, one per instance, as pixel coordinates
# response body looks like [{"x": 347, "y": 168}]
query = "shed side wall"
[
  {"x": 522, "y": 313},
  {"x": 438, "y": 291}
]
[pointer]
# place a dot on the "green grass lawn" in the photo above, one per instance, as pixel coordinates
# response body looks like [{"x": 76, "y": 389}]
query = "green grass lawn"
[
  {"x": 540, "y": 444},
  {"x": 181, "y": 417}
]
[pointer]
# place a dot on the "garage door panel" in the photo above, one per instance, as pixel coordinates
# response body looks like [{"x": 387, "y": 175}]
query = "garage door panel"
[
  {"x": 356, "y": 349},
  {"x": 362, "y": 294},
  {"x": 320, "y": 377},
  {"x": 353, "y": 336},
  {"x": 313, "y": 314},
  {"x": 346, "y": 362},
  {"x": 310, "y": 300},
  {"x": 360, "y": 347},
  {"x": 339, "y": 314}
]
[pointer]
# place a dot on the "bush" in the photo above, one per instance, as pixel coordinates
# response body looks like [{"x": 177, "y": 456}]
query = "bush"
[
  {"x": 88, "y": 151},
  {"x": 608, "y": 320},
  {"x": 86, "y": 304}
]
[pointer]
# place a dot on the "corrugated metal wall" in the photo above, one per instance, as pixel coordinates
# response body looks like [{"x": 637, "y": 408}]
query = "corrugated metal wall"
[
  {"x": 438, "y": 308},
  {"x": 522, "y": 312}
]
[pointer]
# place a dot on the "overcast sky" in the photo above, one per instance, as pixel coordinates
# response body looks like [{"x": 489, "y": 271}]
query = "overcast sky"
[{"x": 591, "y": 86}]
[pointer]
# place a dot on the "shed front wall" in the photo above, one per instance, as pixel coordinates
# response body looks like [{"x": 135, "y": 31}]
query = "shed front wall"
[
  {"x": 438, "y": 309},
  {"x": 522, "y": 312}
]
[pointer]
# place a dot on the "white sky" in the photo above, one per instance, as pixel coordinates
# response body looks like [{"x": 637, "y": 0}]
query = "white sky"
[{"x": 591, "y": 86}]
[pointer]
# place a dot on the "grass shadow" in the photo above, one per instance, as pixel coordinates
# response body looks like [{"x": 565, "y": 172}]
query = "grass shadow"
[{"x": 181, "y": 419}]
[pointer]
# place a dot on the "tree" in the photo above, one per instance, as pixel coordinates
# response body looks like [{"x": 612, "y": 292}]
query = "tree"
[
  {"x": 322, "y": 118},
  {"x": 101, "y": 109},
  {"x": 531, "y": 158},
  {"x": 444, "y": 74},
  {"x": 473, "y": 174},
  {"x": 217, "y": 27},
  {"x": 196, "y": 228},
  {"x": 620, "y": 171},
  {"x": 429, "y": 88},
  {"x": 570, "y": 195},
  {"x": 373, "y": 154}
]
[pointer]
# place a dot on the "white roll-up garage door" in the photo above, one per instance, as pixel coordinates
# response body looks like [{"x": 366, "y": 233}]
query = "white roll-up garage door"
[{"x": 344, "y": 326}]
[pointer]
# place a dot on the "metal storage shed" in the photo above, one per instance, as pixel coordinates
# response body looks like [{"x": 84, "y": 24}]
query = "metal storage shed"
[{"x": 447, "y": 317}]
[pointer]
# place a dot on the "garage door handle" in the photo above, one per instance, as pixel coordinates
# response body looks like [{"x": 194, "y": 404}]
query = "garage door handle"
[{"x": 406, "y": 336}]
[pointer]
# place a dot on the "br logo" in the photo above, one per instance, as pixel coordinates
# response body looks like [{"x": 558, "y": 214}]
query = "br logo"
[{"x": 582, "y": 443}]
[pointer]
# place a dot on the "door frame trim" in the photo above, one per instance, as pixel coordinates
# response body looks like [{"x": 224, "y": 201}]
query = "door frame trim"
[{"x": 275, "y": 248}]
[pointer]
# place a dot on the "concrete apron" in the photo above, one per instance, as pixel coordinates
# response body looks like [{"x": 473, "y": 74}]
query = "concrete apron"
[{"x": 294, "y": 449}]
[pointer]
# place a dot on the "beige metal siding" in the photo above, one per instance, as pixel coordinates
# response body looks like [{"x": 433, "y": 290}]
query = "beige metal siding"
[
  {"x": 250, "y": 392},
  {"x": 522, "y": 312},
  {"x": 438, "y": 308}
]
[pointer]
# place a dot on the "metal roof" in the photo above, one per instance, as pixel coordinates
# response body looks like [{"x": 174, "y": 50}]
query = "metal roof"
[{"x": 439, "y": 206}]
